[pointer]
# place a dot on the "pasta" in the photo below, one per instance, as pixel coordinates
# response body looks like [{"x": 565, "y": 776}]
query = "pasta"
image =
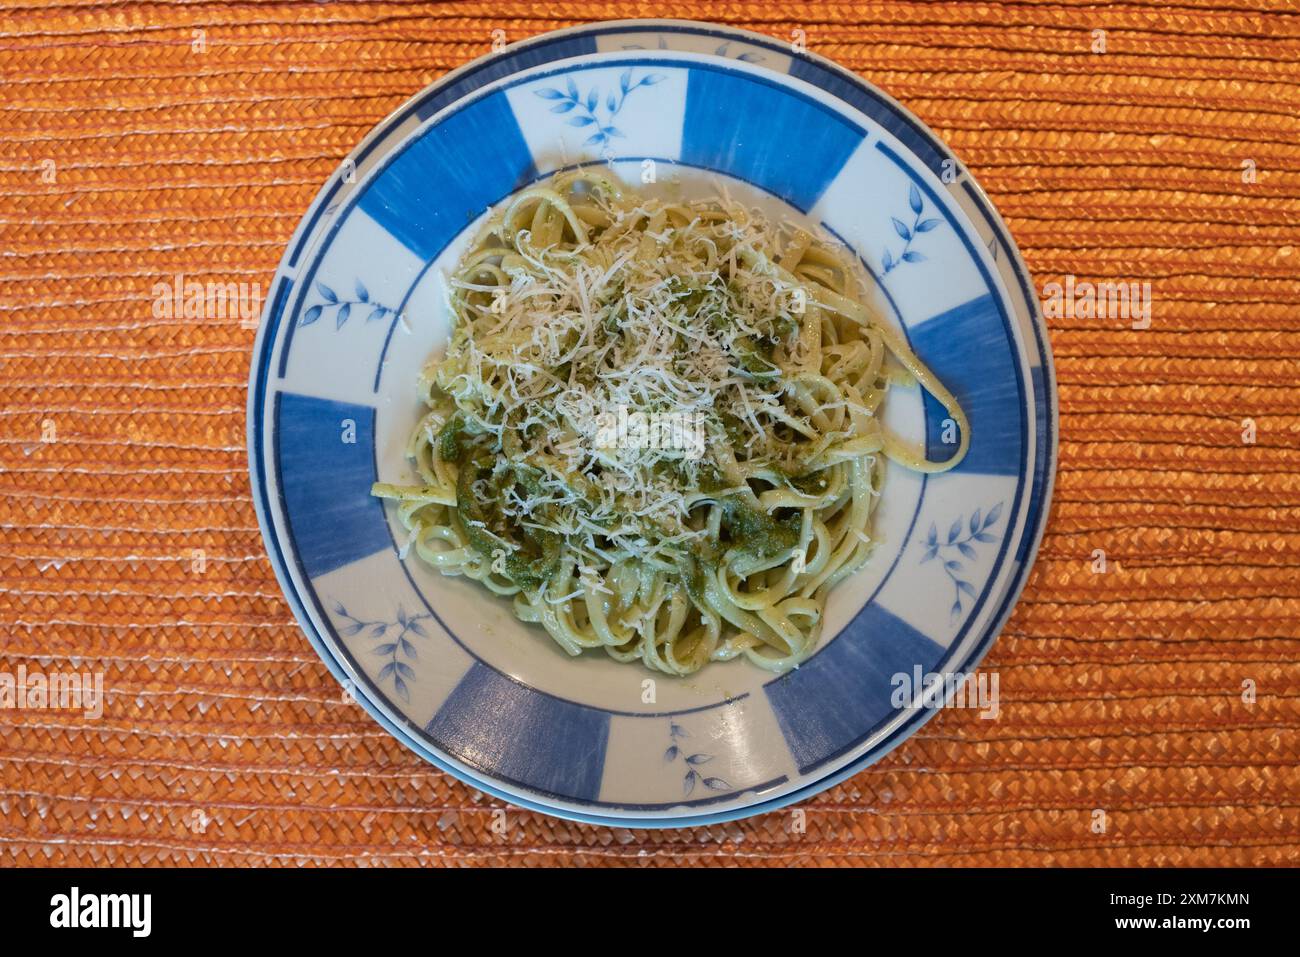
[{"x": 655, "y": 427}]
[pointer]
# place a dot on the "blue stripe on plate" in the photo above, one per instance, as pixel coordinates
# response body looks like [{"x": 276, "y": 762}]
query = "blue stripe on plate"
[
  {"x": 278, "y": 300},
  {"x": 966, "y": 347},
  {"x": 730, "y": 119},
  {"x": 874, "y": 106},
  {"x": 511, "y": 731},
  {"x": 825, "y": 705},
  {"x": 1039, "y": 380},
  {"x": 508, "y": 64},
  {"x": 449, "y": 175},
  {"x": 325, "y": 482}
]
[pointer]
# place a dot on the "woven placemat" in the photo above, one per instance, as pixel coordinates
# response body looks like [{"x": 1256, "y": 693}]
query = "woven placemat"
[{"x": 1149, "y": 713}]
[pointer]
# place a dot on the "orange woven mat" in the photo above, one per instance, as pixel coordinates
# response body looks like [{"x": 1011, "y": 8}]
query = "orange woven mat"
[{"x": 1149, "y": 714}]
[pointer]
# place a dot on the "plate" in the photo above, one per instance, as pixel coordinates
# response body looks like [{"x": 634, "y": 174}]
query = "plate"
[{"x": 356, "y": 309}]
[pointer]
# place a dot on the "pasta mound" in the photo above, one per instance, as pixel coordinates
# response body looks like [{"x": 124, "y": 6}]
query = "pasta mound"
[{"x": 655, "y": 426}]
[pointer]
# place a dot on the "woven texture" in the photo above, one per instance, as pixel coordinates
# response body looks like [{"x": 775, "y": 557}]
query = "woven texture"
[{"x": 133, "y": 148}]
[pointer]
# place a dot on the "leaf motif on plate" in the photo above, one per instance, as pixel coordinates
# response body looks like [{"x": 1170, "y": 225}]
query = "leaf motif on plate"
[{"x": 962, "y": 536}]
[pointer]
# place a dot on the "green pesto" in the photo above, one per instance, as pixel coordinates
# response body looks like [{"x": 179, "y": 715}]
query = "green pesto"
[
  {"x": 749, "y": 355},
  {"x": 711, "y": 479},
  {"x": 693, "y": 572},
  {"x": 534, "y": 559},
  {"x": 754, "y": 532},
  {"x": 795, "y": 475},
  {"x": 733, "y": 426},
  {"x": 450, "y": 447},
  {"x": 814, "y": 483}
]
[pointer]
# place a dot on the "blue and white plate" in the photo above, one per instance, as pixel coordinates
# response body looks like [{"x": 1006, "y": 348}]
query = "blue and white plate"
[{"x": 357, "y": 308}]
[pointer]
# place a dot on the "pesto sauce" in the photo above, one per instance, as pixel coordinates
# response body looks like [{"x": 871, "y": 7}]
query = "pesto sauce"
[
  {"x": 534, "y": 559},
  {"x": 450, "y": 448},
  {"x": 749, "y": 355},
  {"x": 754, "y": 532}
]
